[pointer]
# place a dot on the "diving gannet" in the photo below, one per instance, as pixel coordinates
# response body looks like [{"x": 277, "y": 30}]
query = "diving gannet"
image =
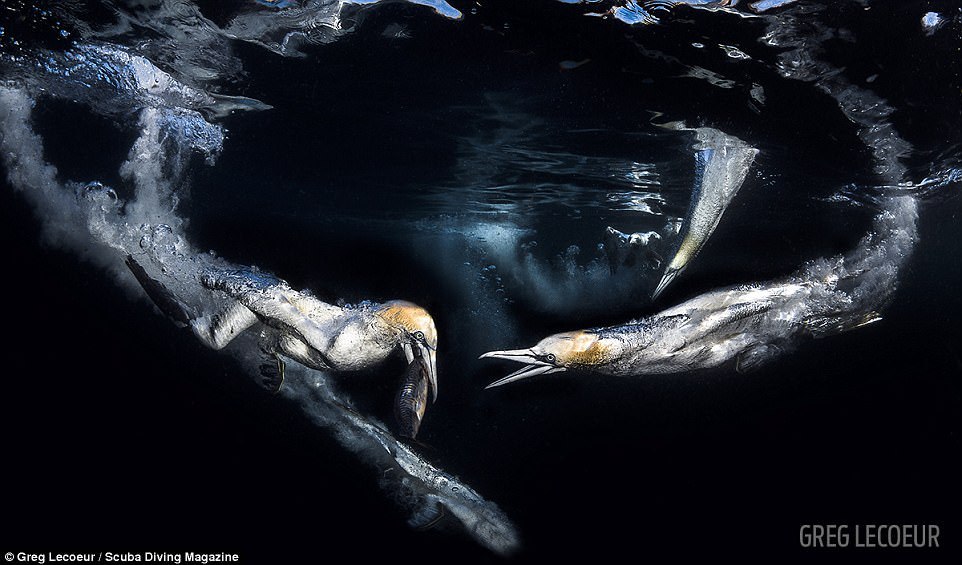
[
  {"x": 295, "y": 325},
  {"x": 749, "y": 323},
  {"x": 722, "y": 163}
]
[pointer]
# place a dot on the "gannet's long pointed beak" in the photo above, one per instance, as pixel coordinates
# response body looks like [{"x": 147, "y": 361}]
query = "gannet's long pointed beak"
[
  {"x": 432, "y": 357},
  {"x": 519, "y": 355},
  {"x": 533, "y": 367},
  {"x": 525, "y": 372},
  {"x": 670, "y": 274}
]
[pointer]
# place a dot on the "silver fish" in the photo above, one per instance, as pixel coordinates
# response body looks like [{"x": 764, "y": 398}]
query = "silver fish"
[{"x": 412, "y": 398}]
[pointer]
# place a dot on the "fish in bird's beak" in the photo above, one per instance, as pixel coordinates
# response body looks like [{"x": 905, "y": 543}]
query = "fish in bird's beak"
[
  {"x": 417, "y": 335},
  {"x": 418, "y": 347},
  {"x": 536, "y": 363},
  {"x": 412, "y": 397}
]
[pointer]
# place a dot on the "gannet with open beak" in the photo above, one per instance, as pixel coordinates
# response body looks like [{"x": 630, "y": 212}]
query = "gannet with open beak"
[{"x": 746, "y": 323}]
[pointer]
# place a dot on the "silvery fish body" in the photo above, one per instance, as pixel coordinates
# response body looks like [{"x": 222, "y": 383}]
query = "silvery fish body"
[{"x": 412, "y": 398}]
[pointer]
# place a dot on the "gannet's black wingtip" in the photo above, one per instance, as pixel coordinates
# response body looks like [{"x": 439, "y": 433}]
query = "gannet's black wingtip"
[{"x": 159, "y": 294}]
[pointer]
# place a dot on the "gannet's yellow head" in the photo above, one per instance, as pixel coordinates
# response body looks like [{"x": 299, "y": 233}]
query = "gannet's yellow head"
[
  {"x": 416, "y": 333},
  {"x": 582, "y": 349}
]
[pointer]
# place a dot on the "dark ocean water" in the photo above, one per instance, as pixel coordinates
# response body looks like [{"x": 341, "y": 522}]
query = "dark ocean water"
[{"x": 385, "y": 156}]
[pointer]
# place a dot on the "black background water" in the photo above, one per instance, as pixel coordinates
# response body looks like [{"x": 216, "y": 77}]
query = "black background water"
[{"x": 123, "y": 433}]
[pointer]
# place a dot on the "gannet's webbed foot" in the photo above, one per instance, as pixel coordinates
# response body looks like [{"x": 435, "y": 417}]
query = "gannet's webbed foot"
[
  {"x": 272, "y": 372},
  {"x": 425, "y": 510},
  {"x": 159, "y": 294},
  {"x": 753, "y": 358},
  {"x": 427, "y": 516}
]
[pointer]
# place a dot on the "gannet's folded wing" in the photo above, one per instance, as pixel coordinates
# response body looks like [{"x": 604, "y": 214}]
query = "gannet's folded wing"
[{"x": 274, "y": 302}]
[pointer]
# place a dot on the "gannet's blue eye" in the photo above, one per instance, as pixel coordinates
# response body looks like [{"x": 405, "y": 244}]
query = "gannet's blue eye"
[
  {"x": 550, "y": 358},
  {"x": 418, "y": 335}
]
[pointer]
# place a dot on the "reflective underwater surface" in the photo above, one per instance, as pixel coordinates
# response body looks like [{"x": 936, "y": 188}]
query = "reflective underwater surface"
[{"x": 471, "y": 158}]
